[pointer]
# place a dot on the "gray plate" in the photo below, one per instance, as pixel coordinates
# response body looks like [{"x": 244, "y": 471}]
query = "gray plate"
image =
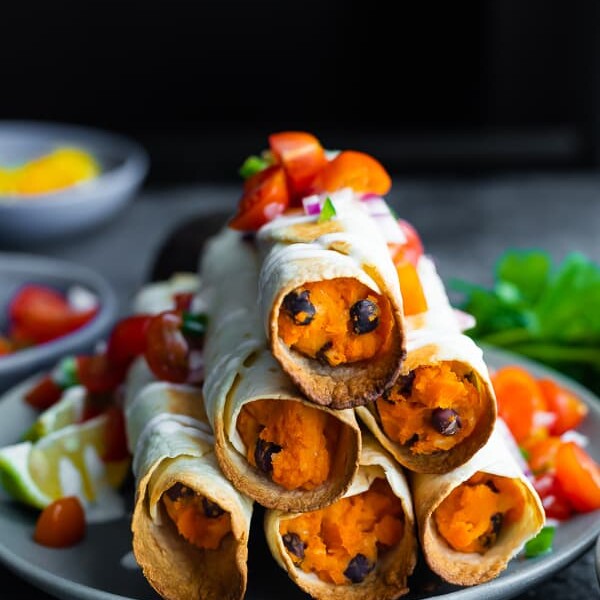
[{"x": 93, "y": 570}]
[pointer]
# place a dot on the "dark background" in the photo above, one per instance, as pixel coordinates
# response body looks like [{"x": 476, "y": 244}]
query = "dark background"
[{"x": 434, "y": 87}]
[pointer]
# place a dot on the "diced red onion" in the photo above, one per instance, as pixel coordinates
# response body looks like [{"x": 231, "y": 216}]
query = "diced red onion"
[
  {"x": 312, "y": 205},
  {"x": 575, "y": 436}
]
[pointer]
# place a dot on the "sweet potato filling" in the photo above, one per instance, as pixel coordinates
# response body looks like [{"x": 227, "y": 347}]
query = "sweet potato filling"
[
  {"x": 336, "y": 321},
  {"x": 473, "y": 515},
  {"x": 342, "y": 543},
  {"x": 292, "y": 443},
  {"x": 431, "y": 409},
  {"x": 199, "y": 520}
]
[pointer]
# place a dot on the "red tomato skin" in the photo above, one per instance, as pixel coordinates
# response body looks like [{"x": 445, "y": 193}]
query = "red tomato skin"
[
  {"x": 167, "y": 350},
  {"x": 39, "y": 314},
  {"x": 61, "y": 523},
  {"x": 98, "y": 375},
  {"x": 579, "y": 477},
  {"x": 183, "y": 300},
  {"x": 570, "y": 411},
  {"x": 556, "y": 504},
  {"x": 115, "y": 439},
  {"x": 412, "y": 250},
  {"x": 301, "y": 156},
  {"x": 265, "y": 197},
  {"x": 127, "y": 340},
  {"x": 44, "y": 393}
]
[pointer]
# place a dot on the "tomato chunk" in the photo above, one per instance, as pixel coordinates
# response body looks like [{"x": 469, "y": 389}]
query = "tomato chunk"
[
  {"x": 98, "y": 374},
  {"x": 44, "y": 393},
  {"x": 265, "y": 197},
  {"x": 128, "y": 340},
  {"x": 301, "y": 156},
  {"x": 542, "y": 454},
  {"x": 579, "y": 476},
  {"x": 39, "y": 314},
  {"x": 412, "y": 250},
  {"x": 61, "y": 523},
  {"x": 519, "y": 398},
  {"x": 355, "y": 170},
  {"x": 115, "y": 436},
  {"x": 413, "y": 297},
  {"x": 565, "y": 405},
  {"x": 167, "y": 350},
  {"x": 556, "y": 504}
]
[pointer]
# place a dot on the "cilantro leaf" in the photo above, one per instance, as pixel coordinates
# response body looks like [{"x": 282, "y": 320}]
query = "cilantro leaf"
[
  {"x": 327, "y": 212},
  {"x": 253, "y": 165},
  {"x": 541, "y": 543}
]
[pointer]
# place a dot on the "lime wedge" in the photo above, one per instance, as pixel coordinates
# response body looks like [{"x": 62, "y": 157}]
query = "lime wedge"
[
  {"x": 65, "y": 462},
  {"x": 68, "y": 410}
]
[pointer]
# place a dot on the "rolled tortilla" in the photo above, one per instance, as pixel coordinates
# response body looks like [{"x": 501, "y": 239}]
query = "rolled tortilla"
[
  {"x": 443, "y": 371},
  {"x": 388, "y": 578},
  {"x": 342, "y": 265},
  {"x": 503, "y": 481},
  {"x": 173, "y": 452},
  {"x": 270, "y": 441}
]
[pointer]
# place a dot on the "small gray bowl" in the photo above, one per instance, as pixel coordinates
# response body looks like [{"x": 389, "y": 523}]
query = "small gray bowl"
[
  {"x": 19, "y": 269},
  {"x": 33, "y": 218}
]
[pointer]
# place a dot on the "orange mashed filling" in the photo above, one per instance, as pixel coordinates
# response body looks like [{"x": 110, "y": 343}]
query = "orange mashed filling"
[
  {"x": 407, "y": 417},
  {"x": 330, "y": 336},
  {"x": 307, "y": 437},
  {"x": 188, "y": 515},
  {"x": 367, "y": 524},
  {"x": 472, "y": 516}
]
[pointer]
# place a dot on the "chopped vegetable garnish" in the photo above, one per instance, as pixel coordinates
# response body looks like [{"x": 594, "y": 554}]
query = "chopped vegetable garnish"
[
  {"x": 541, "y": 543},
  {"x": 61, "y": 523},
  {"x": 252, "y": 165},
  {"x": 327, "y": 212}
]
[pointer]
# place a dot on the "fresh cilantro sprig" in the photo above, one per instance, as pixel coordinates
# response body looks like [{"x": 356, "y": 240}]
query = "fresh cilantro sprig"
[
  {"x": 253, "y": 165},
  {"x": 547, "y": 313},
  {"x": 541, "y": 544},
  {"x": 327, "y": 212}
]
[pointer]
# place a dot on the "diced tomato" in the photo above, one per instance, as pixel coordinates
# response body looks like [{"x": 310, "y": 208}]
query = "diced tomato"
[
  {"x": 301, "y": 156},
  {"x": 265, "y": 197},
  {"x": 410, "y": 251},
  {"x": 413, "y": 297},
  {"x": 39, "y": 314},
  {"x": 579, "y": 476},
  {"x": 128, "y": 340},
  {"x": 61, "y": 523},
  {"x": 167, "y": 350},
  {"x": 355, "y": 170},
  {"x": 98, "y": 375},
  {"x": 568, "y": 408},
  {"x": 115, "y": 436},
  {"x": 519, "y": 397},
  {"x": 183, "y": 300},
  {"x": 542, "y": 454},
  {"x": 556, "y": 504},
  {"x": 5, "y": 346},
  {"x": 44, "y": 393}
]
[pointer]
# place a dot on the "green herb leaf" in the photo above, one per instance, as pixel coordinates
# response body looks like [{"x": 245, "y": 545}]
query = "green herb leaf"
[
  {"x": 546, "y": 313},
  {"x": 253, "y": 165},
  {"x": 327, "y": 212},
  {"x": 65, "y": 373},
  {"x": 541, "y": 543},
  {"x": 194, "y": 324}
]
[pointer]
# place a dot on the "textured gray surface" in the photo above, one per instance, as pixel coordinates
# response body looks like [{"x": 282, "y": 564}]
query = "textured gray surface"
[{"x": 465, "y": 225}]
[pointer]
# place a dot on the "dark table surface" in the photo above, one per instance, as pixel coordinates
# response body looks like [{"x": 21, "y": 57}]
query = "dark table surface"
[{"x": 465, "y": 225}]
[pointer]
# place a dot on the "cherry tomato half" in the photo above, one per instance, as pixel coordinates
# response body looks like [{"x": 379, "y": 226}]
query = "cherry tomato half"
[
  {"x": 167, "y": 350},
  {"x": 579, "y": 476},
  {"x": 61, "y": 523},
  {"x": 98, "y": 375},
  {"x": 519, "y": 397},
  {"x": 301, "y": 156},
  {"x": 568, "y": 408},
  {"x": 128, "y": 340},
  {"x": 265, "y": 197},
  {"x": 355, "y": 170},
  {"x": 39, "y": 314}
]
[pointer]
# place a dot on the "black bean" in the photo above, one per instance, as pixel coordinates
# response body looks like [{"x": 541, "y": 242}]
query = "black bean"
[
  {"x": 179, "y": 491},
  {"x": 263, "y": 454},
  {"x": 492, "y": 486},
  {"x": 294, "y": 544},
  {"x": 321, "y": 355},
  {"x": 211, "y": 509},
  {"x": 413, "y": 440},
  {"x": 358, "y": 568},
  {"x": 299, "y": 307},
  {"x": 497, "y": 521},
  {"x": 446, "y": 421},
  {"x": 365, "y": 316},
  {"x": 404, "y": 384},
  {"x": 489, "y": 537}
]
